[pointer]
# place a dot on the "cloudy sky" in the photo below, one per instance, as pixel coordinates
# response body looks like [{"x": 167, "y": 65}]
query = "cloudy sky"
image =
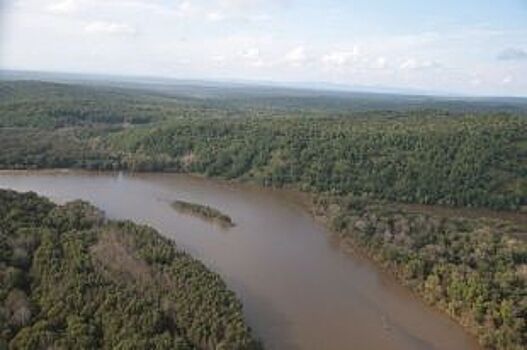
[{"x": 454, "y": 46}]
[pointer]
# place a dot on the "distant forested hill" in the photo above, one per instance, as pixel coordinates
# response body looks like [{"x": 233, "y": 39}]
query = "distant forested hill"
[
  {"x": 53, "y": 105},
  {"x": 114, "y": 102},
  {"x": 70, "y": 279},
  {"x": 416, "y": 149}
]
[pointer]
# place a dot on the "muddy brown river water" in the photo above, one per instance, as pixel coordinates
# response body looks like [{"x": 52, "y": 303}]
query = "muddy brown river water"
[{"x": 299, "y": 291}]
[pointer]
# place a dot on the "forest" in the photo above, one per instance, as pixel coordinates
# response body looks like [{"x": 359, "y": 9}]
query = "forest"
[
  {"x": 358, "y": 155},
  {"x": 70, "y": 278},
  {"x": 478, "y": 161},
  {"x": 447, "y": 156}
]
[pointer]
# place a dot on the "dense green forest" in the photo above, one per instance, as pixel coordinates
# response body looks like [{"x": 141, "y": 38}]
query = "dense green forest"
[
  {"x": 474, "y": 270},
  {"x": 429, "y": 156},
  {"x": 359, "y": 154},
  {"x": 462, "y": 161},
  {"x": 70, "y": 279}
]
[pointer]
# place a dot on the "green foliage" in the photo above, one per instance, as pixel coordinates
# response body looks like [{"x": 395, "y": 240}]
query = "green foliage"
[
  {"x": 460, "y": 161},
  {"x": 51, "y": 105},
  {"x": 29, "y": 148},
  {"x": 468, "y": 268},
  {"x": 433, "y": 151},
  {"x": 72, "y": 280},
  {"x": 203, "y": 211}
]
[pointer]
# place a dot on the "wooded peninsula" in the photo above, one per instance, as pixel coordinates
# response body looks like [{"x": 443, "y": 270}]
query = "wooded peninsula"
[{"x": 73, "y": 279}]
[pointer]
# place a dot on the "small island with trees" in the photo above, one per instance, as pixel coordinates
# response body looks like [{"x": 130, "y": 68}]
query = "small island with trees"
[{"x": 204, "y": 212}]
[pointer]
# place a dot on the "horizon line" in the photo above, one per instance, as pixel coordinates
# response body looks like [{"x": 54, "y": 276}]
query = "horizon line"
[{"x": 320, "y": 86}]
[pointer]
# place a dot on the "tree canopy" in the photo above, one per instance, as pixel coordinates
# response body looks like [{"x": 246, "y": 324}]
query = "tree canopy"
[{"x": 72, "y": 279}]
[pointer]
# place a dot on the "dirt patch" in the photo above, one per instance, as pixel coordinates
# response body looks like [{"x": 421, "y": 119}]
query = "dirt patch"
[
  {"x": 188, "y": 159},
  {"x": 113, "y": 252}
]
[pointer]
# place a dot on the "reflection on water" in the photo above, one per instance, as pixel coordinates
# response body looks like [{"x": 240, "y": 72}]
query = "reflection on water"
[{"x": 298, "y": 290}]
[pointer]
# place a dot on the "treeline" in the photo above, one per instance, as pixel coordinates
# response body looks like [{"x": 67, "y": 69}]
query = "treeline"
[
  {"x": 52, "y": 106},
  {"x": 70, "y": 279},
  {"x": 32, "y": 148},
  {"x": 478, "y": 161},
  {"x": 474, "y": 270},
  {"x": 47, "y": 105},
  {"x": 427, "y": 155},
  {"x": 55, "y": 105}
]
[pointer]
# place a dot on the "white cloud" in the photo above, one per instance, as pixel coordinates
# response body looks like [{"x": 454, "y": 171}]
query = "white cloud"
[
  {"x": 187, "y": 9},
  {"x": 215, "y": 16},
  {"x": 340, "y": 58},
  {"x": 245, "y": 11},
  {"x": 219, "y": 10},
  {"x": 251, "y": 53},
  {"x": 218, "y": 60},
  {"x": 259, "y": 63},
  {"x": 248, "y": 5},
  {"x": 506, "y": 80},
  {"x": 182, "y": 61},
  {"x": 475, "y": 81},
  {"x": 238, "y": 4},
  {"x": 100, "y": 27},
  {"x": 410, "y": 63},
  {"x": 253, "y": 57},
  {"x": 415, "y": 64},
  {"x": 262, "y": 17},
  {"x": 296, "y": 56},
  {"x": 63, "y": 7},
  {"x": 380, "y": 63}
]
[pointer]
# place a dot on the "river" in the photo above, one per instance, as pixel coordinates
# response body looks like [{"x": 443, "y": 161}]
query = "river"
[{"x": 298, "y": 289}]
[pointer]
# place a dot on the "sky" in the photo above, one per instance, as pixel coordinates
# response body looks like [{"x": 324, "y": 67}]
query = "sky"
[{"x": 474, "y": 47}]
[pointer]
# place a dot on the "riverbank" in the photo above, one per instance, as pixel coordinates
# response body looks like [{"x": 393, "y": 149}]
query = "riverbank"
[
  {"x": 306, "y": 198},
  {"x": 390, "y": 261},
  {"x": 274, "y": 251},
  {"x": 471, "y": 269}
]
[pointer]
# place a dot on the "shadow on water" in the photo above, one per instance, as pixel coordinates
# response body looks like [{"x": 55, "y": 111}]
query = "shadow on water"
[{"x": 274, "y": 331}]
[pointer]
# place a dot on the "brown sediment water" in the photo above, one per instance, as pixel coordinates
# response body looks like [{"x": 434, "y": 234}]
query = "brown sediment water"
[{"x": 299, "y": 290}]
